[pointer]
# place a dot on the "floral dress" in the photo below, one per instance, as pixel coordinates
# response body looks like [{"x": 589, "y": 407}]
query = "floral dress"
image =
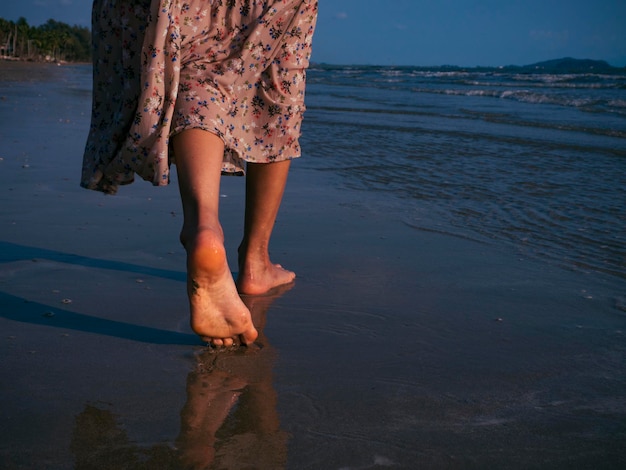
[{"x": 235, "y": 68}]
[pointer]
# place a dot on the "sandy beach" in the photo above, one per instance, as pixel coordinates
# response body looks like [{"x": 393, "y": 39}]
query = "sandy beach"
[{"x": 395, "y": 347}]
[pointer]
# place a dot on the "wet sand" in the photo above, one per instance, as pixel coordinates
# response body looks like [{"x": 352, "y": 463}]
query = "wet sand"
[{"x": 395, "y": 348}]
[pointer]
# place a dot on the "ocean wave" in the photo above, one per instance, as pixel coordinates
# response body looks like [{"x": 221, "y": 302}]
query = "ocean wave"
[
  {"x": 414, "y": 77},
  {"x": 617, "y": 103},
  {"x": 532, "y": 97}
]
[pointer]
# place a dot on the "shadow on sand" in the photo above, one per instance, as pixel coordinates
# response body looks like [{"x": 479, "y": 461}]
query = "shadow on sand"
[{"x": 26, "y": 311}]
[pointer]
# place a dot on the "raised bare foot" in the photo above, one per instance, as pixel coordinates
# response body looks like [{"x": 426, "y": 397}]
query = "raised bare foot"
[
  {"x": 260, "y": 276},
  {"x": 218, "y": 314}
]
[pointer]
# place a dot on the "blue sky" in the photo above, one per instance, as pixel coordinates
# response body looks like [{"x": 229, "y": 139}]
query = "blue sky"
[{"x": 431, "y": 32}]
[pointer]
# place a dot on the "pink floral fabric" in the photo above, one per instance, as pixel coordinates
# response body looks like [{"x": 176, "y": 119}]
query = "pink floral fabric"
[{"x": 236, "y": 68}]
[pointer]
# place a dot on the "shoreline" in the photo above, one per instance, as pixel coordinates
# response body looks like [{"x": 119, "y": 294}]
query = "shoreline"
[
  {"x": 394, "y": 346},
  {"x": 21, "y": 70}
]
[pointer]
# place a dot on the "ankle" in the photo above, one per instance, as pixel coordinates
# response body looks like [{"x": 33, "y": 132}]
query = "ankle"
[
  {"x": 201, "y": 234},
  {"x": 253, "y": 256}
]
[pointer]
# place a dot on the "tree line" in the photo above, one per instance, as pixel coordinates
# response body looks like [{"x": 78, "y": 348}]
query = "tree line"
[{"x": 51, "y": 41}]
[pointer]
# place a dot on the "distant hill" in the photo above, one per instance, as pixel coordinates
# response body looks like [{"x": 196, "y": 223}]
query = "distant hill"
[{"x": 570, "y": 65}]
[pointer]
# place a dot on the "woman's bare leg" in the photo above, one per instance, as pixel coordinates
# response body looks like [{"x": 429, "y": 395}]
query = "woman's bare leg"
[
  {"x": 218, "y": 315},
  {"x": 265, "y": 185}
]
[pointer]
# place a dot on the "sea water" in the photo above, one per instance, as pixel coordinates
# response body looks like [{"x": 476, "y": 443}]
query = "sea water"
[{"x": 535, "y": 160}]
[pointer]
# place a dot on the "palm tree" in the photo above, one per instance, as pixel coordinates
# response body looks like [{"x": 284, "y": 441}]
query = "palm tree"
[{"x": 51, "y": 41}]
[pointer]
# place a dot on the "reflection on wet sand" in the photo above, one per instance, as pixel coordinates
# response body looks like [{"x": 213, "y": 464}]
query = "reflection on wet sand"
[{"x": 230, "y": 418}]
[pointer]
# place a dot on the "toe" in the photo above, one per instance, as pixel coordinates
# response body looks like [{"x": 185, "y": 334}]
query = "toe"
[{"x": 249, "y": 336}]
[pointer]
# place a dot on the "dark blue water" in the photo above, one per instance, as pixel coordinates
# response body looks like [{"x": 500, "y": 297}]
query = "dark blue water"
[
  {"x": 536, "y": 161},
  {"x": 533, "y": 160}
]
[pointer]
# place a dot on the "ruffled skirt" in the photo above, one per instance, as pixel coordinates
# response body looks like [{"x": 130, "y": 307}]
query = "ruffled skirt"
[{"x": 235, "y": 68}]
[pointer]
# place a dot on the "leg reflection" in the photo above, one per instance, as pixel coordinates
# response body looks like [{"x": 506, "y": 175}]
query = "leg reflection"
[{"x": 230, "y": 419}]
